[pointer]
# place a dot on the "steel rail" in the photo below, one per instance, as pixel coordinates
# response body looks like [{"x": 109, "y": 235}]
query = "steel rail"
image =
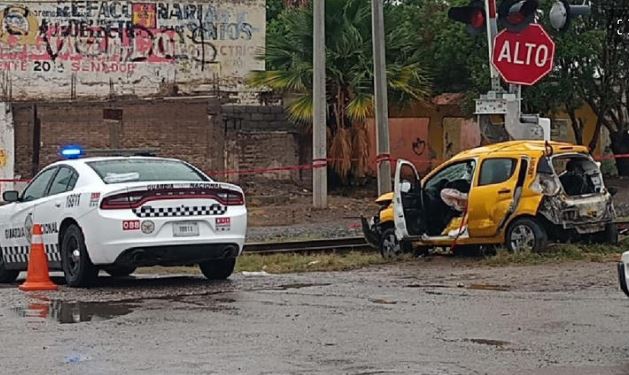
[{"x": 333, "y": 244}]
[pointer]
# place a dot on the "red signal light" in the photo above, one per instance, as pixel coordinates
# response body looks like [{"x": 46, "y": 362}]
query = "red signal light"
[
  {"x": 473, "y": 15},
  {"x": 517, "y": 15},
  {"x": 478, "y": 19}
]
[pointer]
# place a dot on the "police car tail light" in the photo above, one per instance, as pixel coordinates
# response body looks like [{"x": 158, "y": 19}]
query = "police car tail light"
[
  {"x": 231, "y": 198},
  {"x": 122, "y": 201}
]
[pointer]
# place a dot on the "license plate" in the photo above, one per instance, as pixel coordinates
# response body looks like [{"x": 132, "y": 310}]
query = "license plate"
[{"x": 188, "y": 229}]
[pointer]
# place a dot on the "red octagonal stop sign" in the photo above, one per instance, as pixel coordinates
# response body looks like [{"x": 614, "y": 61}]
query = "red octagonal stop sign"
[{"x": 526, "y": 57}]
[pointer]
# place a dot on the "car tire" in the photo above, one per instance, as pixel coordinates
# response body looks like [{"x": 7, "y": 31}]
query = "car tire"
[
  {"x": 608, "y": 237},
  {"x": 390, "y": 246},
  {"x": 119, "y": 271},
  {"x": 219, "y": 269},
  {"x": 75, "y": 261},
  {"x": 526, "y": 234},
  {"x": 6, "y": 276}
]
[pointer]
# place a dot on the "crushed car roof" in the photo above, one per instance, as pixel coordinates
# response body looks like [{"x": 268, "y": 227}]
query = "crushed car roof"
[{"x": 522, "y": 146}]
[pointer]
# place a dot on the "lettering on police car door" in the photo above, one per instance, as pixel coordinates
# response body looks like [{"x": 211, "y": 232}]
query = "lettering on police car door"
[
  {"x": 15, "y": 233},
  {"x": 49, "y": 228},
  {"x": 73, "y": 200}
]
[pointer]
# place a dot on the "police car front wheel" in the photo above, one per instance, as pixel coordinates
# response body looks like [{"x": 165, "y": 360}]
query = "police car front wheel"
[{"x": 77, "y": 266}]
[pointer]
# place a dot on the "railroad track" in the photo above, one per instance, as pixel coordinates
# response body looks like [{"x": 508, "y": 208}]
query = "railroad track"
[
  {"x": 339, "y": 244},
  {"x": 334, "y": 244}
]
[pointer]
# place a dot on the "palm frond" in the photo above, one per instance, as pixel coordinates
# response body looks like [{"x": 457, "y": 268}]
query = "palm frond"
[
  {"x": 360, "y": 107},
  {"x": 301, "y": 109}
]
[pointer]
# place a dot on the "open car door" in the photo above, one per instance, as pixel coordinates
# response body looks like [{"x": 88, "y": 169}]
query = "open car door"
[{"x": 407, "y": 201}]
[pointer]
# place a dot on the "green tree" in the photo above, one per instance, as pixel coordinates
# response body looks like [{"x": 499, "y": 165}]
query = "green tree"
[
  {"x": 349, "y": 73},
  {"x": 592, "y": 67}
]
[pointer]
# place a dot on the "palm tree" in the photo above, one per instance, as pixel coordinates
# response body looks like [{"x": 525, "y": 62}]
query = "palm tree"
[{"x": 349, "y": 74}]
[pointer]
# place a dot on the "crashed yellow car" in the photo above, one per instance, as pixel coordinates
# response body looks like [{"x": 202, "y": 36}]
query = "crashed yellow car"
[{"x": 518, "y": 194}]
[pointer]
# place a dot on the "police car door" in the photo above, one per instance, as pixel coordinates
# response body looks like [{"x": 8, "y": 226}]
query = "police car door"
[
  {"x": 17, "y": 229},
  {"x": 58, "y": 204}
]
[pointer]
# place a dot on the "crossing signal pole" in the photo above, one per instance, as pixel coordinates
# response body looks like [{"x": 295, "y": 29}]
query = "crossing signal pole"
[
  {"x": 319, "y": 125},
  {"x": 380, "y": 93}
]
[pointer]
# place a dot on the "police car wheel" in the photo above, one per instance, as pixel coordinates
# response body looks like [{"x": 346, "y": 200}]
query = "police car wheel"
[
  {"x": 119, "y": 271},
  {"x": 6, "y": 276},
  {"x": 77, "y": 266},
  {"x": 218, "y": 269}
]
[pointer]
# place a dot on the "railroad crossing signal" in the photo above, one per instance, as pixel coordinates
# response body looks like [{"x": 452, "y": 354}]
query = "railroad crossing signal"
[
  {"x": 473, "y": 15},
  {"x": 562, "y": 13},
  {"x": 524, "y": 58},
  {"x": 517, "y": 15}
]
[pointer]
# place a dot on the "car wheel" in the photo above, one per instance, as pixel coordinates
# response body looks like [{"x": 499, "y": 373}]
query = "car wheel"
[
  {"x": 119, "y": 271},
  {"x": 390, "y": 246},
  {"x": 6, "y": 276},
  {"x": 525, "y": 234},
  {"x": 608, "y": 236},
  {"x": 77, "y": 266},
  {"x": 219, "y": 269}
]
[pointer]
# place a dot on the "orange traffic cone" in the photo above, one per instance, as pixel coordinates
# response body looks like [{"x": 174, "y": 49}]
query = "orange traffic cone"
[{"x": 37, "y": 277}]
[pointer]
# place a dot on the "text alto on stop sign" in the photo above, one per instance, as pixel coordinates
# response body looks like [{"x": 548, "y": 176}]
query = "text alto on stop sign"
[{"x": 525, "y": 57}]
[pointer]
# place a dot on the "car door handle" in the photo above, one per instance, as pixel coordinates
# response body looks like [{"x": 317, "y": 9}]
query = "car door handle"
[
  {"x": 58, "y": 204},
  {"x": 504, "y": 191}
]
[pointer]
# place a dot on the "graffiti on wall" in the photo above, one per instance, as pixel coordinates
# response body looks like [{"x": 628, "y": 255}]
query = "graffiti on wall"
[{"x": 136, "y": 46}]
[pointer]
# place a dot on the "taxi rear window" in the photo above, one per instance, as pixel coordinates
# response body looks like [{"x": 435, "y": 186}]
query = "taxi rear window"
[{"x": 140, "y": 170}]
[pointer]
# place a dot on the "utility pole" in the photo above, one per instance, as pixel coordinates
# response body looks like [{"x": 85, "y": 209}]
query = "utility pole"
[
  {"x": 380, "y": 91},
  {"x": 319, "y": 126}
]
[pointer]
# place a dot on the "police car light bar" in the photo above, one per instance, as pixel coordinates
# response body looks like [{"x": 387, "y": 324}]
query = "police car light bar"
[{"x": 72, "y": 152}]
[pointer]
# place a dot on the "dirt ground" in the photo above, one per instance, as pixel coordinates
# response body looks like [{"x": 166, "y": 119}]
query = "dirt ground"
[
  {"x": 272, "y": 203},
  {"x": 435, "y": 316}
]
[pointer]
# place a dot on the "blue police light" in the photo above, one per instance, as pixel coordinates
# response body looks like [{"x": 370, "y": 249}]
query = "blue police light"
[{"x": 72, "y": 152}]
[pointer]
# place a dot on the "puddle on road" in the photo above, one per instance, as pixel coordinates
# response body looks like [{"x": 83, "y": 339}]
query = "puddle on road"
[
  {"x": 383, "y": 301},
  {"x": 300, "y": 285},
  {"x": 502, "y": 288},
  {"x": 74, "y": 312},
  {"x": 488, "y": 342}
]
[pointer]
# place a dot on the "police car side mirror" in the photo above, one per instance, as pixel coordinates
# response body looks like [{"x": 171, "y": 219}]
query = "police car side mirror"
[{"x": 11, "y": 196}]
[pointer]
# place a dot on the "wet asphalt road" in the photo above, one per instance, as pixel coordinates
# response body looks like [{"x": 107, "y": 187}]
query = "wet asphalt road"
[{"x": 418, "y": 319}]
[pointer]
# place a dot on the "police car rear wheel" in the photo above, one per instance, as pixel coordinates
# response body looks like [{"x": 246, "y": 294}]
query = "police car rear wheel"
[
  {"x": 119, "y": 271},
  {"x": 6, "y": 276},
  {"x": 77, "y": 266},
  {"x": 218, "y": 269}
]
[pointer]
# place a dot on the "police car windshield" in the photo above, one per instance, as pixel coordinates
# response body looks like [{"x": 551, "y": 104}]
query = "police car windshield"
[{"x": 140, "y": 170}]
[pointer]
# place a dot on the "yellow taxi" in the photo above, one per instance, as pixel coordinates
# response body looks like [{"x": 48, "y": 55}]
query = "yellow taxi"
[{"x": 519, "y": 194}]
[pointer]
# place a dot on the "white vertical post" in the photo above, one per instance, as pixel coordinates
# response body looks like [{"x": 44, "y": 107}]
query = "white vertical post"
[
  {"x": 380, "y": 91},
  {"x": 7, "y": 146},
  {"x": 492, "y": 30},
  {"x": 319, "y": 126}
]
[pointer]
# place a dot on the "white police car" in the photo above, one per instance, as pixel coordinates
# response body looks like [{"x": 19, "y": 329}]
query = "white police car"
[
  {"x": 623, "y": 272},
  {"x": 118, "y": 213}
]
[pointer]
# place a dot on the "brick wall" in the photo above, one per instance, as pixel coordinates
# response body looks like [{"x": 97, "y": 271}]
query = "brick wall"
[
  {"x": 190, "y": 129},
  {"x": 246, "y": 151},
  {"x": 256, "y": 117}
]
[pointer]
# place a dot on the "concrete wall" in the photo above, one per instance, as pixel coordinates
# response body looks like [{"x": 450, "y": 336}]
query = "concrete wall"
[
  {"x": 70, "y": 49},
  {"x": 190, "y": 129}
]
